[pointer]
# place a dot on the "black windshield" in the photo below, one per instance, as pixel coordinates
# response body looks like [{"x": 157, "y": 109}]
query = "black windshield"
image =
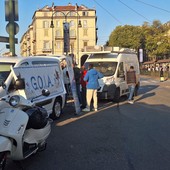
[{"x": 4, "y": 71}]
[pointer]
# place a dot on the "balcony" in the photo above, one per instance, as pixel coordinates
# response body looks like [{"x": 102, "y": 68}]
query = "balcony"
[{"x": 46, "y": 50}]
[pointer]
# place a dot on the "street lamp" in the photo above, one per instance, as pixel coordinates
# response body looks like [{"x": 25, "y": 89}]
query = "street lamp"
[{"x": 66, "y": 31}]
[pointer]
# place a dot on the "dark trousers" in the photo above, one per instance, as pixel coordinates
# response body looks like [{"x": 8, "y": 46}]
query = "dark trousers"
[
  {"x": 83, "y": 96},
  {"x": 78, "y": 93}
]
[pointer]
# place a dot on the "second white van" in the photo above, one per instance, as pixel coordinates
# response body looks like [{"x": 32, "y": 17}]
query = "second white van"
[{"x": 114, "y": 66}]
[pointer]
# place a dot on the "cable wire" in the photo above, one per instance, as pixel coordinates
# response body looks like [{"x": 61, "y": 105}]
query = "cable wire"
[
  {"x": 153, "y": 6},
  {"x": 134, "y": 10},
  {"x": 108, "y": 12}
]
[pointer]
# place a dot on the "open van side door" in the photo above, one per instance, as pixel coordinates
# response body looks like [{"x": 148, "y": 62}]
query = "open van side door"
[{"x": 121, "y": 80}]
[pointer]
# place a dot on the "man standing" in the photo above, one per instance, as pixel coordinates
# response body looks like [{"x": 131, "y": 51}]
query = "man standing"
[
  {"x": 131, "y": 81},
  {"x": 83, "y": 87},
  {"x": 77, "y": 76},
  {"x": 92, "y": 77}
]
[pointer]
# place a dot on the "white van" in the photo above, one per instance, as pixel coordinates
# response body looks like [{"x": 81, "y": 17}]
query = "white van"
[
  {"x": 114, "y": 66},
  {"x": 39, "y": 72}
]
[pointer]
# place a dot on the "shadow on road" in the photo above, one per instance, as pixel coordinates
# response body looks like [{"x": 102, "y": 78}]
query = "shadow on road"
[
  {"x": 146, "y": 88},
  {"x": 146, "y": 96}
]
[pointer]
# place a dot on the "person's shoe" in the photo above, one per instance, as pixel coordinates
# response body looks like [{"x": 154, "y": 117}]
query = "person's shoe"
[
  {"x": 86, "y": 110},
  {"x": 95, "y": 110},
  {"x": 131, "y": 101}
]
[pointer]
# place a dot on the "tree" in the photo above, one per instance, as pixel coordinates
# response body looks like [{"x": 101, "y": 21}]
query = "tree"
[
  {"x": 126, "y": 36},
  {"x": 153, "y": 38}
]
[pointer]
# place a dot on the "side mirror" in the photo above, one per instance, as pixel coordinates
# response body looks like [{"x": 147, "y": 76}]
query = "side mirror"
[
  {"x": 121, "y": 76},
  {"x": 19, "y": 84},
  {"x": 45, "y": 92}
]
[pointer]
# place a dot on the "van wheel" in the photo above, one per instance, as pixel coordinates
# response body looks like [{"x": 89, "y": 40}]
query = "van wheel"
[
  {"x": 3, "y": 160},
  {"x": 57, "y": 109},
  {"x": 116, "y": 95}
]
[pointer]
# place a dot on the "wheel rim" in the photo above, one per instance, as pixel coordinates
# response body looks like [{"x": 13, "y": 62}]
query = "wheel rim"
[{"x": 57, "y": 109}]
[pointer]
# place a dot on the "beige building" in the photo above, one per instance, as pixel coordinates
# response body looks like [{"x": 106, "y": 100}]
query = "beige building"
[{"x": 46, "y": 34}]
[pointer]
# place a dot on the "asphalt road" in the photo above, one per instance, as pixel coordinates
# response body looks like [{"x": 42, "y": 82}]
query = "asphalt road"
[{"x": 117, "y": 137}]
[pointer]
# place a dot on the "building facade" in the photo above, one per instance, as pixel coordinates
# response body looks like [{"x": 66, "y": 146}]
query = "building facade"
[{"x": 47, "y": 34}]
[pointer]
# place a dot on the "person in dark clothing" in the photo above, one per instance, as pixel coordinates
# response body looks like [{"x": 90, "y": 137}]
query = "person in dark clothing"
[
  {"x": 83, "y": 86},
  {"x": 161, "y": 75},
  {"x": 77, "y": 76},
  {"x": 131, "y": 81}
]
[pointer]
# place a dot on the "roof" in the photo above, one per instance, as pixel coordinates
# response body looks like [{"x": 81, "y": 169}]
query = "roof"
[
  {"x": 68, "y": 7},
  {"x": 18, "y": 59},
  {"x": 158, "y": 61},
  {"x": 149, "y": 62},
  {"x": 163, "y": 61}
]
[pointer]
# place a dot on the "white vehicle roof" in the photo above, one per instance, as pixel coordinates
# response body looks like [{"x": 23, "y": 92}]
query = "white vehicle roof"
[{"x": 18, "y": 60}]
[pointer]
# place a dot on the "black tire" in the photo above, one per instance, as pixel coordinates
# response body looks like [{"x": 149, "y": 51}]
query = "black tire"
[
  {"x": 2, "y": 160},
  {"x": 117, "y": 95},
  {"x": 57, "y": 109}
]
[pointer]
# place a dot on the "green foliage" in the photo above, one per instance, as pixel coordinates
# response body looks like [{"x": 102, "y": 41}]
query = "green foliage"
[{"x": 153, "y": 38}]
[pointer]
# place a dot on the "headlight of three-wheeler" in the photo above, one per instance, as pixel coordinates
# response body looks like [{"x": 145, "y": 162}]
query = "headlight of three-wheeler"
[{"x": 14, "y": 100}]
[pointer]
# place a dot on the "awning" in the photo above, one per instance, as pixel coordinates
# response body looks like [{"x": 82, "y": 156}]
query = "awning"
[
  {"x": 163, "y": 61},
  {"x": 149, "y": 62}
]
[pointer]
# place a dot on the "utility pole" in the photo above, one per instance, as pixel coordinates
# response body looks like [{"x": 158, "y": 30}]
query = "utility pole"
[{"x": 12, "y": 28}]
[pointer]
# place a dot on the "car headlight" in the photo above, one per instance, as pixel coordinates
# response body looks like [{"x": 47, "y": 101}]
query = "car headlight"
[{"x": 14, "y": 101}]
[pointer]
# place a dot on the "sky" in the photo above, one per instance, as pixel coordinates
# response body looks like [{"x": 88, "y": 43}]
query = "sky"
[{"x": 110, "y": 14}]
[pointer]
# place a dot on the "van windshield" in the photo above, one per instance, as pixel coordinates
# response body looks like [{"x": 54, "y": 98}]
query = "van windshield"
[
  {"x": 106, "y": 68},
  {"x": 4, "y": 71}
]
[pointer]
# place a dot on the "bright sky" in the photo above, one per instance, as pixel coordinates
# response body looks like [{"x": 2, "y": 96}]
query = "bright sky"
[{"x": 110, "y": 13}]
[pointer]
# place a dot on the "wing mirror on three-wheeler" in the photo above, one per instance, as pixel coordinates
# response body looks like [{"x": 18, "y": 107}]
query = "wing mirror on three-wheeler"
[{"x": 19, "y": 84}]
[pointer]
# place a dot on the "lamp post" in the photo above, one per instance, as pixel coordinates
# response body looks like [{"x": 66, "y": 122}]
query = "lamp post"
[
  {"x": 52, "y": 36},
  {"x": 65, "y": 31}
]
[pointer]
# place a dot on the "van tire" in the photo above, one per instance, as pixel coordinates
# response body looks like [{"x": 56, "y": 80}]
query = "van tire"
[
  {"x": 57, "y": 109},
  {"x": 116, "y": 95}
]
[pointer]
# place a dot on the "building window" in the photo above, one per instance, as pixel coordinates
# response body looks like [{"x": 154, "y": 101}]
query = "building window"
[
  {"x": 46, "y": 45},
  {"x": 85, "y": 44},
  {"x": 85, "y": 13},
  {"x": 57, "y": 23},
  {"x": 72, "y": 33},
  {"x": 71, "y": 14},
  {"x": 46, "y": 32},
  {"x": 84, "y": 23},
  {"x": 85, "y": 32},
  {"x": 72, "y": 23},
  {"x": 72, "y": 47},
  {"x": 45, "y": 14},
  {"x": 45, "y": 24},
  {"x": 57, "y": 14},
  {"x": 58, "y": 33},
  {"x": 58, "y": 45}
]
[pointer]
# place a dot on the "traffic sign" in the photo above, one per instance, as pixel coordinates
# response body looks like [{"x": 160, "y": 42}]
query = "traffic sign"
[
  {"x": 16, "y": 28},
  {"x": 14, "y": 10},
  {"x": 6, "y": 39}
]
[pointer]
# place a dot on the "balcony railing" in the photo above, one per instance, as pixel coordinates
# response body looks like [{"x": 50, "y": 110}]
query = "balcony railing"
[{"x": 46, "y": 50}]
